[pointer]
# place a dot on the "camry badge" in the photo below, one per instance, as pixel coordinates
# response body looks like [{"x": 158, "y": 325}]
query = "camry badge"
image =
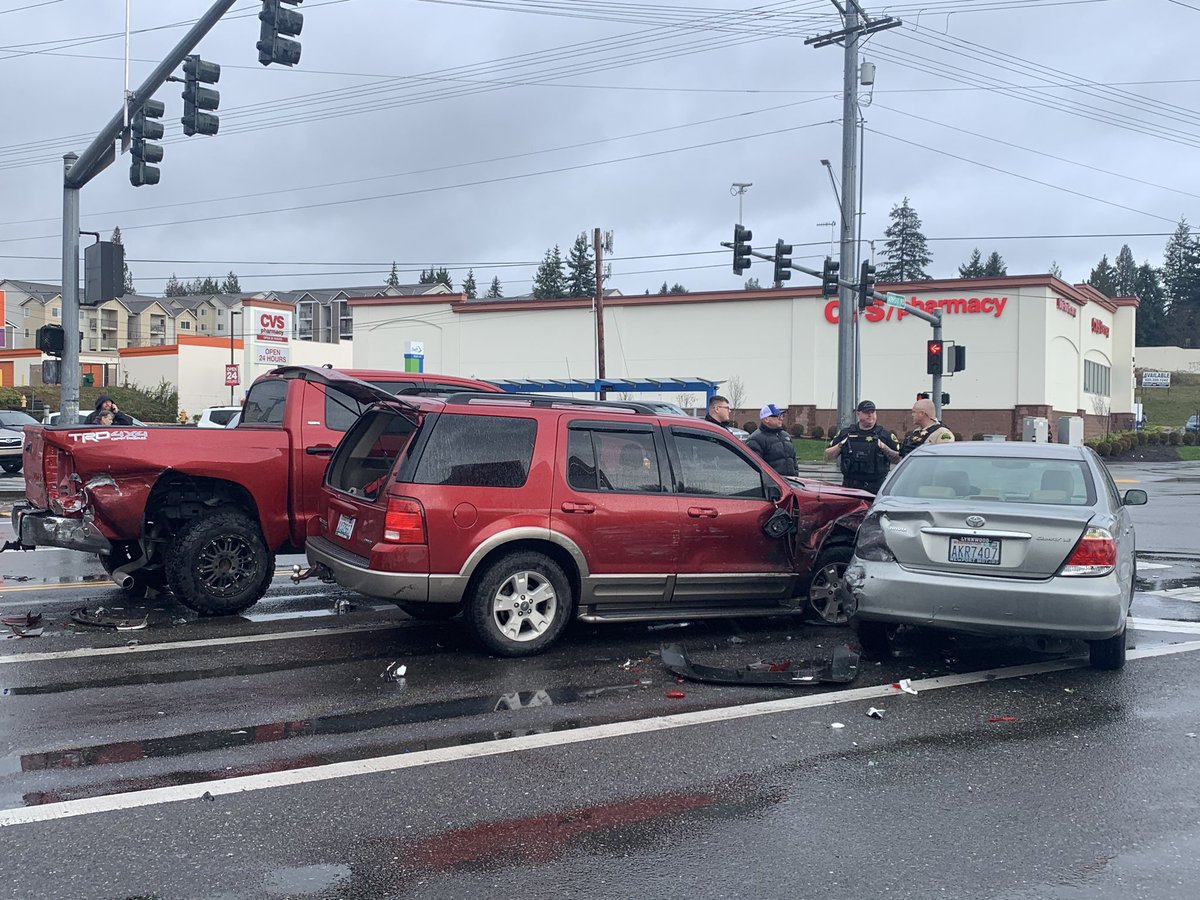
[{"x": 976, "y": 521}]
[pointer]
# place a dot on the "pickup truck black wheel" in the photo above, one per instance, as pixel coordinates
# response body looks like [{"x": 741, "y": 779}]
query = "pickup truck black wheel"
[
  {"x": 825, "y": 582},
  {"x": 219, "y": 565},
  {"x": 12, "y": 468},
  {"x": 520, "y": 604}
]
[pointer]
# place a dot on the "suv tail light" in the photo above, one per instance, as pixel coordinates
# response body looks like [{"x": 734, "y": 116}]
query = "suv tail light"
[
  {"x": 1095, "y": 554},
  {"x": 404, "y": 522}
]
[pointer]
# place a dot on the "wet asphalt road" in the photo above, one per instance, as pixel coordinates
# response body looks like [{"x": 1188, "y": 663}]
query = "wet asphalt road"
[{"x": 575, "y": 774}]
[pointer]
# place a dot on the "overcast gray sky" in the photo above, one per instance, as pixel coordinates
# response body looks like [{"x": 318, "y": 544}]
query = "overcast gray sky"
[{"x": 477, "y": 133}]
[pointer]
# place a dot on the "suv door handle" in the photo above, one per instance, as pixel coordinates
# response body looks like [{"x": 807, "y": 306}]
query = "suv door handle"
[
  {"x": 702, "y": 512},
  {"x": 320, "y": 450},
  {"x": 572, "y": 507}
]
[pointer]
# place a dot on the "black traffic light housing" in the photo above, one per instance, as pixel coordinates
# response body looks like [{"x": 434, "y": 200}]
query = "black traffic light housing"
[
  {"x": 958, "y": 359},
  {"x": 145, "y": 128},
  {"x": 103, "y": 273},
  {"x": 279, "y": 24},
  {"x": 829, "y": 278},
  {"x": 866, "y": 285},
  {"x": 196, "y": 98},
  {"x": 924, "y": 395},
  {"x": 50, "y": 340},
  {"x": 783, "y": 262},
  {"x": 741, "y": 248},
  {"x": 935, "y": 357}
]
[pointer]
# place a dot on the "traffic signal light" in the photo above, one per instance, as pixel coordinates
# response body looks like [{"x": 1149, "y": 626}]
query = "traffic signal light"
[
  {"x": 783, "y": 262},
  {"x": 866, "y": 285},
  {"x": 741, "y": 248},
  {"x": 278, "y": 20},
  {"x": 829, "y": 278},
  {"x": 196, "y": 98},
  {"x": 50, "y": 340},
  {"x": 958, "y": 359},
  {"x": 924, "y": 395},
  {"x": 935, "y": 357},
  {"x": 103, "y": 273},
  {"x": 145, "y": 129}
]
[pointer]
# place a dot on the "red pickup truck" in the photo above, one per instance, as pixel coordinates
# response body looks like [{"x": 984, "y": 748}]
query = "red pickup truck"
[{"x": 201, "y": 511}]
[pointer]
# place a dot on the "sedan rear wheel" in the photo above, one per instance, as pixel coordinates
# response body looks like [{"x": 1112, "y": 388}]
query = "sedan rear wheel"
[
  {"x": 520, "y": 605},
  {"x": 825, "y": 598},
  {"x": 1108, "y": 654}
]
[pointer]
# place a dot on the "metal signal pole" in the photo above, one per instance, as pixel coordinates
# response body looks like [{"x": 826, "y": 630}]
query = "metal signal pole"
[{"x": 598, "y": 250}]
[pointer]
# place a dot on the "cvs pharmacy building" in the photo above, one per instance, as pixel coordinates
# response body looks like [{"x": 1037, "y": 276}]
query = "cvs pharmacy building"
[{"x": 1036, "y": 346}]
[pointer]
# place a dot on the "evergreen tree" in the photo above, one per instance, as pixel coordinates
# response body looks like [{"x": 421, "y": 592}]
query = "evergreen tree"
[
  {"x": 906, "y": 253},
  {"x": 468, "y": 285},
  {"x": 126, "y": 275},
  {"x": 494, "y": 292},
  {"x": 973, "y": 267},
  {"x": 664, "y": 289},
  {"x": 393, "y": 279},
  {"x": 429, "y": 277},
  {"x": 548, "y": 282},
  {"x": 1151, "y": 314},
  {"x": 1055, "y": 270},
  {"x": 676, "y": 288},
  {"x": 203, "y": 286},
  {"x": 581, "y": 268},
  {"x": 174, "y": 287},
  {"x": 995, "y": 265},
  {"x": 752, "y": 284},
  {"x": 1103, "y": 278},
  {"x": 1125, "y": 273},
  {"x": 230, "y": 285},
  {"x": 1181, "y": 284}
]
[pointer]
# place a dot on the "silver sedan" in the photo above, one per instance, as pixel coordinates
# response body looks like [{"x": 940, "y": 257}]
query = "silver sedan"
[{"x": 998, "y": 538}]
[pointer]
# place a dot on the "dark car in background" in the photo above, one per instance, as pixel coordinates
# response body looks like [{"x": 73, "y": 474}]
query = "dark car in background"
[
  {"x": 1193, "y": 424},
  {"x": 12, "y": 438},
  {"x": 1019, "y": 539}
]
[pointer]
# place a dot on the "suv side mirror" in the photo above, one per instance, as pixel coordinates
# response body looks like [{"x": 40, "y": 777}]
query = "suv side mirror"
[
  {"x": 780, "y": 524},
  {"x": 1135, "y": 497}
]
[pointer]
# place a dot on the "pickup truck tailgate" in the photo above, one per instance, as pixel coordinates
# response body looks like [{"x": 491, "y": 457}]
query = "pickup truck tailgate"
[{"x": 37, "y": 491}]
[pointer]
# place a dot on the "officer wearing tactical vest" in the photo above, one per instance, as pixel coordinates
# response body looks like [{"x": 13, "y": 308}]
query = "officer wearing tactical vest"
[
  {"x": 864, "y": 451},
  {"x": 928, "y": 431}
]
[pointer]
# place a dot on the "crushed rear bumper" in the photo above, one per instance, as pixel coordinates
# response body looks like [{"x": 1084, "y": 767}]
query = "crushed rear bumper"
[{"x": 38, "y": 528}]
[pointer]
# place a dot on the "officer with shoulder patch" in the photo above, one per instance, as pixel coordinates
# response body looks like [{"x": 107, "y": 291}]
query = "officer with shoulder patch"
[
  {"x": 928, "y": 431},
  {"x": 865, "y": 451}
]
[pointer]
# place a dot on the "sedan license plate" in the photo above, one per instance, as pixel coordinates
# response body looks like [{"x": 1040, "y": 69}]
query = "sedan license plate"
[
  {"x": 345, "y": 527},
  {"x": 975, "y": 550}
]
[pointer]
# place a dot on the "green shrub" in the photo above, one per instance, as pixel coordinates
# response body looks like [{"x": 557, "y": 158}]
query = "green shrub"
[
  {"x": 797, "y": 430},
  {"x": 1141, "y": 438},
  {"x": 1174, "y": 438},
  {"x": 1190, "y": 438},
  {"x": 1153, "y": 438},
  {"x": 817, "y": 432},
  {"x": 977, "y": 436},
  {"x": 1101, "y": 447}
]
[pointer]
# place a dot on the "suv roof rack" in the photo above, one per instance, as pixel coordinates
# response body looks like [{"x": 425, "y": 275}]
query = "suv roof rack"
[{"x": 547, "y": 401}]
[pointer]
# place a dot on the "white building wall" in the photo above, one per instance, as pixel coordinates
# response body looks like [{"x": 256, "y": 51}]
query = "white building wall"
[{"x": 1168, "y": 359}]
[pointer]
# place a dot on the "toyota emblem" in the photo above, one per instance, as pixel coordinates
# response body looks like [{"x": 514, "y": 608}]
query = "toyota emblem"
[{"x": 976, "y": 521}]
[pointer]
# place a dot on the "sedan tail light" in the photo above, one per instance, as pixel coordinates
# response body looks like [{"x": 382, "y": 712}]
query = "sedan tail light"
[
  {"x": 1095, "y": 554},
  {"x": 871, "y": 544},
  {"x": 404, "y": 522}
]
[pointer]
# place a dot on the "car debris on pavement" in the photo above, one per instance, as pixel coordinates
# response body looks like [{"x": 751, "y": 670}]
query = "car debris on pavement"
[
  {"x": 840, "y": 668},
  {"x": 103, "y": 618}
]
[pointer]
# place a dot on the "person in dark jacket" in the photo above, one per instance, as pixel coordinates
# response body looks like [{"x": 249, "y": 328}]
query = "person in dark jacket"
[
  {"x": 772, "y": 442},
  {"x": 864, "y": 452},
  {"x": 718, "y": 411},
  {"x": 106, "y": 404}
]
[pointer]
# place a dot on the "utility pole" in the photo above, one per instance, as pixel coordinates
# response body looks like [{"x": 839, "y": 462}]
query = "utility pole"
[
  {"x": 78, "y": 171},
  {"x": 855, "y": 24},
  {"x": 598, "y": 250}
]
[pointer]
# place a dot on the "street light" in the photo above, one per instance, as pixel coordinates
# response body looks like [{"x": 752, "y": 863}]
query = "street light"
[
  {"x": 832, "y": 180},
  {"x": 232, "y": 313},
  {"x": 737, "y": 189}
]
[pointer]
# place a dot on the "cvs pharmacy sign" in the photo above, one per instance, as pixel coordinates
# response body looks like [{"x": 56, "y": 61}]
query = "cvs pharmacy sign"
[
  {"x": 272, "y": 326},
  {"x": 1099, "y": 327}
]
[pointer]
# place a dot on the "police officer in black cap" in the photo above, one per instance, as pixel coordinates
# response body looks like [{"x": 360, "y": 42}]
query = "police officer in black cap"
[{"x": 865, "y": 451}]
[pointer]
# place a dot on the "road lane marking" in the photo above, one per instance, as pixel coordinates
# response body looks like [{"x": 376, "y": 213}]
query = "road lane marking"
[
  {"x": 1147, "y": 566},
  {"x": 1126, "y": 481},
  {"x": 189, "y": 645},
  {"x": 420, "y": 758}
]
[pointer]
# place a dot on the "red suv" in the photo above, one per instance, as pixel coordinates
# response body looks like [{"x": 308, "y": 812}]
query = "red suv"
[{"x": 524, "y": 512}]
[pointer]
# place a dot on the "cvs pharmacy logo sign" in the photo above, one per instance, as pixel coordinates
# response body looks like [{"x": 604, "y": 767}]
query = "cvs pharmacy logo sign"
[
  {"x": 271, "y": 321},
  {"x": 273, "y": 326},
  {"x": 1099, "y": 327}
]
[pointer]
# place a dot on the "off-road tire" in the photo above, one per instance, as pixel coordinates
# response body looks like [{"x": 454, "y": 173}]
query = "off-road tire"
[
  {"x": 219, "y": 565},
  {"x": 526, "y": 589},
  {"x": 823, "y": 582}
]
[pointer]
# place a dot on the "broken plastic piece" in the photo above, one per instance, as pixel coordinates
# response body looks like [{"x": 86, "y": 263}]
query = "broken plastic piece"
[
  {"x": 1003, "y": 719},
  {"x": 22, "y": 632},
  {"x": 836, "y": 725},
  {"x": 26, "y": 620},
  {"x": 101, "y": 618},
  {"x": 841, "y": 668},
  {"x": 875, "y": 713},
  {"x": 341, "y": 607},
  {"x": 675, "y": 695},
  {"x": 395, "y": 671},
  {"x": 905, "y": 684}
]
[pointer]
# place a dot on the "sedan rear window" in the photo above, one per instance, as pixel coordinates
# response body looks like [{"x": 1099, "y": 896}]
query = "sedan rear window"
[{"x": 1059, "y": 482}]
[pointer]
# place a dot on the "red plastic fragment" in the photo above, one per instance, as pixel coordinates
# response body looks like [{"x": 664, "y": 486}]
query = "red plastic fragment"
[
  {"x": 676, "y": 695},
  {"x": 1003, "y": 719}
]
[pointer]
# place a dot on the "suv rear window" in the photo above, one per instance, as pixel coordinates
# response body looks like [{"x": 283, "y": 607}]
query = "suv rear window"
[
  {"x": 365, "y": 456},
  {"x": 479, "y": 451}
]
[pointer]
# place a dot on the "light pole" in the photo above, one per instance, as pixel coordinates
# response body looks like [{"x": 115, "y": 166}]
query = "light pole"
[{"x": 232, "y": 313}]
